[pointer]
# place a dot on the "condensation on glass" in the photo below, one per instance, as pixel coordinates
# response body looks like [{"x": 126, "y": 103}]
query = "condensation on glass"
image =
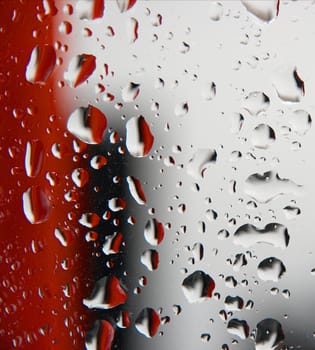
[{"x": 190, "y": 171}]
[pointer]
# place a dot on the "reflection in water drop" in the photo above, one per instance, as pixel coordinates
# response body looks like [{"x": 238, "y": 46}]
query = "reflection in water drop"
[
  {"x": 198, "y": 286},
  {"x": 269, "y": 185},
  {"x": 154, "y": 232},
  {"x": 263, "y": 136},
  {"x": 107, "y": 293},
  {"x": 238, "y": 327},
  {"x": 136, "y": 191},
  {"x": 265, "y": 10},
  {"x": 271, "y": 269},
  {"x": 256, "y": 102},
  {"x": 100, "y": 336},
  {"x": 288, "y": 84},
  {"x": 139, "y": 139},
  {"x": 130, "y": 92},
  {"x": 88, "y": 124},
  {"x": 36, "y": 205},
  {"x": 300, "y": 121},
  {"x": 269, "y": 334},
  {"x": 148, "y": 322},
  {"x": 200, "y": 162},
  {"x": 80, "y": 68},
  {"x": 33, "y": 157},
  {"x": 275, "y": 234},
  {"x": 41, "y": 64},
  {"x": 150, "y": 259}
]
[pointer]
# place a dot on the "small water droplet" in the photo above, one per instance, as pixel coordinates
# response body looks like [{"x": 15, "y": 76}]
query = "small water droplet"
[
  {"x": 36, "y": 205},
  {"x": 154, "y": 232},
  {"x": 136, "y": 190},
  {"x": 80, "y": 68},
  {"x": 148, "y": 322},
  {"x": 150, "y": 259}
]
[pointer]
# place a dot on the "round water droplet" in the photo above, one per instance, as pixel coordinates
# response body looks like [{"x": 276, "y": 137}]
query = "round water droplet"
[
  {"x": 200, "y": 162},
  {"x": 300, "y": 121},
  {"x": 150, "y": 259},
  {"x": 88, "y": 124},
  {"x": 269, "y": 334},
  {"x": 271, "y": 269},
  {"x": 263, "y": 136},
  {"x": 256, "y": 102},
  {"x": 238, "y": 327},
  {"x": 79, "y": 69},
  {"x": 80, "y": 177}
]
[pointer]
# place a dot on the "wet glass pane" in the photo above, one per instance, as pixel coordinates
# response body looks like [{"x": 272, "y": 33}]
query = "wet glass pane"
[{"x": 156, "y": 183}]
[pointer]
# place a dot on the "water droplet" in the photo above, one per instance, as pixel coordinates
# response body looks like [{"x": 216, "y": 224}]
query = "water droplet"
[
  {"x": 116, "y": 204},
  {"x": 154, "y": 232},
  {"x": 291, "y": 212},
  {"x": 215, "y": 11},
  {"x": 41, "y": 64},
  {"x": 125, "y": 5},
  {"x": 275, "y": 234},
  {"x": 263, "y": 136},
  {"x": 265, "y": 10},
  {"x": 200, "y": 162},
  {"x": 79, "y": 69},
  {"x": 269, "y": 185},
  {"x": 288, "y": 84},
  {"x": 33, "y": 157},
  {"x": 136, "y": 190},
  {"x": 233, "y": 303},
  {"x": 130, "y": 92},
  {"x": 271, "y": 269},
  {"x": 181, "y": 109},
  {"x": 36, "y": 205},
  {"x": 112, "y": 243},
  {"x": 86, "y": 9},
  {"x": 198, "y": 286},
  {"x": 148, "y": 322},
  {"x": 89, "y": 220},
  {"x": 98, "y": 161},
  {"x": 256, "y": 102},
  {"x": 209, "y": 91},
  {"x": 150, "y": 259},
  {"x": 238, "y": 327},
  {"x": 107, "y": 293},
  {"x": 205, "y": 337},
  {"x": 132, "y": 29},
  {"x": 139, "y": 139},
  {"x": 65, "y": 27},
  {"x": 300, "y": 121},
  {"x": 237, "y": 122},
  {"x": 123, "y": 320},
  {"x": 80, "y": 177},
  {"x": 100, "y": 336},
  {"x": 88, "y": 124},
  {"x": 64, "y": 235},
  {"x": 269, "y": 334},
  {"x": 197, "y": 251}
]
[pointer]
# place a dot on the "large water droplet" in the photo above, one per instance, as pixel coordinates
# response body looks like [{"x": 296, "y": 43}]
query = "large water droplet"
[
  {"x": 273, "y": 233},
  {"x": 198, "y": 286},
  {"x": 87, "y": 124},
  {"x": 200, "y": 162},
  {"x": 33, "y": 157},
  {"x": 233, "y": 303},
  {"x": 238, "y": 327},
  {"x": 288, "y": 84},
  {"x": 154, "y": 232},
  {"x": 79, "y": 69},
  {"x": 256, "y": 102},
  {"x": 36, "y": 205},
  {"x": 125, "y": 5},
  {"x": 107, "y": 293},
  {"x": 148, "y": 322},
  {"x": 269, "y": 185},
  {"x": 41, "y": 64},
  {"x": 265, "y": 10},
  {"x": 87, "y": 9},
  {"x": 263, "y": 136},
  {"x": 139, "y": 139},
  {"x": 130, "y": 92},
  {"x": 271, "y": 269},
  {"x": 150, "y": 259},
  {"x": 112, "y": 243},
  {"x": 100, "y": 336},
  {"x": 300, "y": 121},
  {"x": 136, "y": 190},
  {"x": 269, "y": 334}
]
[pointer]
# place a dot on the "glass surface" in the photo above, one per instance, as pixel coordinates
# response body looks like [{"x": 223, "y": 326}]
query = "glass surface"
[{"x": 157, "y": 174}]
